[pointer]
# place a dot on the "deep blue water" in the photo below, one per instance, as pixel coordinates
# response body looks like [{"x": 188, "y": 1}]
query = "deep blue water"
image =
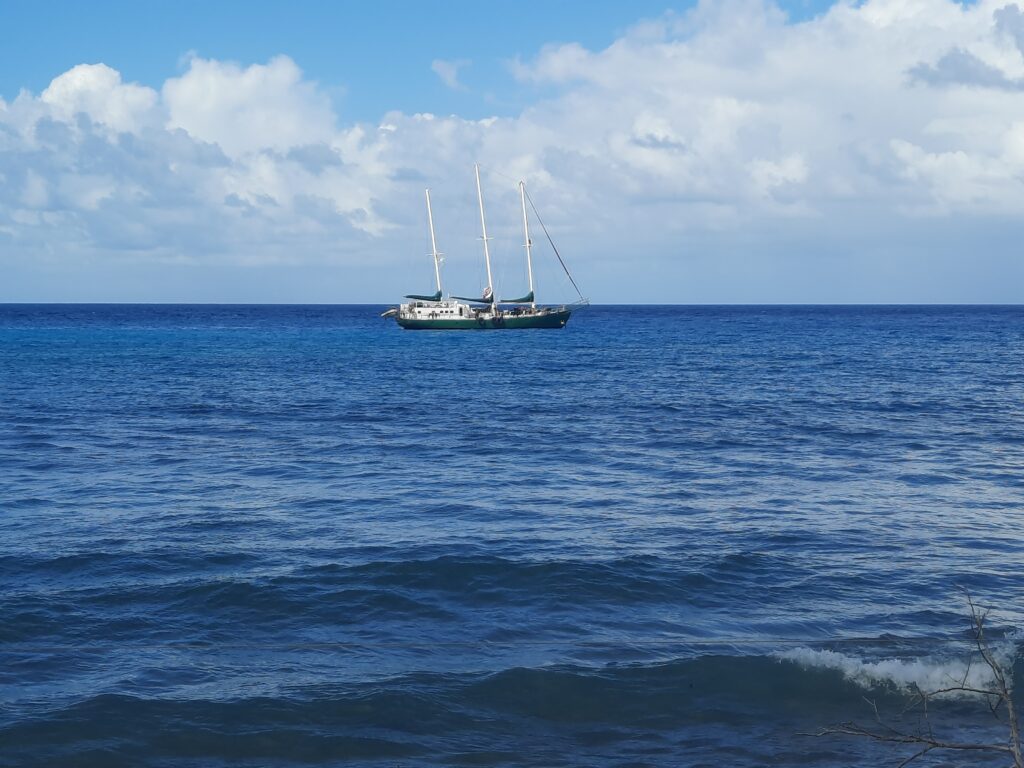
[{"x": 664, "y": 536}]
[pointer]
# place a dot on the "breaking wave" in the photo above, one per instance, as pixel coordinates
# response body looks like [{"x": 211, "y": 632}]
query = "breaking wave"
[{"x": 906, "y": 675}]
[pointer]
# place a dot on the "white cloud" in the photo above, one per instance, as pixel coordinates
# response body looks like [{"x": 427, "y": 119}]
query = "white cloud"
[
  {"x": 768, "y": 175},
  {"x": 448, "y": 71},
  {"x": 96, "y": 90},
  {"x": 244, "y": 110},
  {"x": 696, "y": 133}
]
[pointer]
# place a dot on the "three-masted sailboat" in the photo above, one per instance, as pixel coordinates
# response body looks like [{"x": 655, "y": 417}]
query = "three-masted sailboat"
[{"x": 433, "y": 312}]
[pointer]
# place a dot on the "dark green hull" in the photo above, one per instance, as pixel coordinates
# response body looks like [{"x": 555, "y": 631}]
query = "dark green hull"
[{"x": 504, "y": 322}]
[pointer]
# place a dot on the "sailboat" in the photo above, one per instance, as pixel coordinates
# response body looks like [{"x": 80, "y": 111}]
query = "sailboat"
[{"x": 433, "y": 312}]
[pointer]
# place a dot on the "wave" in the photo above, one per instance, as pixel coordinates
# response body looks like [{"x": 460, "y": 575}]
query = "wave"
[
  {"x": 929, "y": 673},
  {"x": 801, "y": 681},
  {"x": 64, "y": 596},
  {"x": 714, "y": 704}
]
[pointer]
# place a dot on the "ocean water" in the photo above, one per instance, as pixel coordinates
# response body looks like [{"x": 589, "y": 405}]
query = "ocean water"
[{"x": 664, "y": 536}]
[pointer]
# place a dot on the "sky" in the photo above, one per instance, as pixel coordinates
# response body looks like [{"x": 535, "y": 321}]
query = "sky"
[{"x": 737, "y": 151}]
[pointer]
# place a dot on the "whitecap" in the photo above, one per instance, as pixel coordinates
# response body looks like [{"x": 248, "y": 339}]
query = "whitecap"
[{"x": 928, "y": 673}]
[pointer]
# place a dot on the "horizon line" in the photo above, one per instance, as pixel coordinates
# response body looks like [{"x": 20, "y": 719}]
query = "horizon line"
[{"x": 592, "y": 304}]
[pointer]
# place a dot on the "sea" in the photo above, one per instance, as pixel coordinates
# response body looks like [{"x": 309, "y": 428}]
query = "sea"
[{"x": 663, "y": 536}]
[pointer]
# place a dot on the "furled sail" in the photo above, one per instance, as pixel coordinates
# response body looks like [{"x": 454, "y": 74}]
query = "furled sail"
[
  {"x": 527, "y": 299},
  {"x": 418, "y": 297},
  {"x": 488, "y": 297}
]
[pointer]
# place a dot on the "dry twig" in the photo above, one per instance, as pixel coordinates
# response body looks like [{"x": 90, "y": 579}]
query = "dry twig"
[{"x": 997, "y": 697}]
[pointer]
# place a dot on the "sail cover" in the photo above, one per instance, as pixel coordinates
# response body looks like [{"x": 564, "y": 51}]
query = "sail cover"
[
  {"x": 527, "y": 299},
  {"x": 418, "y": 297},
  {"x": 488, "y": 297}
]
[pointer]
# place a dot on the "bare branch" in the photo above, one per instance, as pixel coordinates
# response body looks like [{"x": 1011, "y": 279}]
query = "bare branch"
[
  {"x": 997, "y": 698},
  {"x": 914, "y": 757},
  {"x": 967, "y": 671},
  {"x": 898, "y": 737}
]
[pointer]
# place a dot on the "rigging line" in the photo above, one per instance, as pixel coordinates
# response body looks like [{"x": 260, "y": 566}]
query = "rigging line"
[
  {"x": 554, "y": 247},
  {"x": 541, "y": 222}
]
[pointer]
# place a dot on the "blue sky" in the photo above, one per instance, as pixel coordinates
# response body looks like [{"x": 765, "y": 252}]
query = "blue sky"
[{"x": 733, "y": 151}]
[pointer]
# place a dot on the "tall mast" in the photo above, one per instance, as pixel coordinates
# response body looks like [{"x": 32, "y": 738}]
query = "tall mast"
[
  {"x": 433, "y": 243},
  {"x": 483, "y": 228},
  {"x": 526, "y": 234}
]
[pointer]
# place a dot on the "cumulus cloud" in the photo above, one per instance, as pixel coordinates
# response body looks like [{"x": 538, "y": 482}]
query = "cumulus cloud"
[
  {"x": 96, "y": 91},
  {"x": 1010, "y": 21},
  {"x": 242, "y": 110},
  {"x": 705, "y": 131},
  {"x": 227, "y": 164},
  {"x": 961, "y": 68}
]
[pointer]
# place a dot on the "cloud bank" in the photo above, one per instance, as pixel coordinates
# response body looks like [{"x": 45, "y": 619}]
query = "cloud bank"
[{"x": 721, "y": 150}]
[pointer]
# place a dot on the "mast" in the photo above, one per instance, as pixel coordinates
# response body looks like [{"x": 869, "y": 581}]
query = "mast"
[
  {"x": 526, "y": 234},
  {"x": 433, "y": 243},
  {"x": 483, "y": 228}
]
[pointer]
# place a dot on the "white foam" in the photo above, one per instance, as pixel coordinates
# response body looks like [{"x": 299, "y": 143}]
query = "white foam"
[{"x": 927, "y": 673}]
